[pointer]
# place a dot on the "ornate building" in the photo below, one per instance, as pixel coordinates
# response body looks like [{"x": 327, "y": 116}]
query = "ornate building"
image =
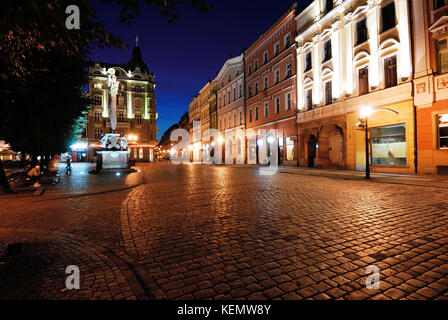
[
  {"x": 231, "y": 110},
  {"x": 203, "y": 109},
  {"x": 270, "y": 78},
  {"x": 136, "y": 109},
  {"x": 351, "y": 54},
  {"x": 430, "y": 38}
]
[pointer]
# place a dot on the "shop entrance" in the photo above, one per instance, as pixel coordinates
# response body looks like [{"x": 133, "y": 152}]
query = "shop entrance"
[{"x": 312, "y": 145}]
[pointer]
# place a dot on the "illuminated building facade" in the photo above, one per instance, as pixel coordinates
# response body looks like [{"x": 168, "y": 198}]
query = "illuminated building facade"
[
  {"x": 203, "y": 116},
  {"x": 430, "y": 35},
  {"x": 136, "y": 109},
  {"x": 352, "y": 54},
  {"x": 231, "y": 111},
  {"x": 270, "y": 79}
]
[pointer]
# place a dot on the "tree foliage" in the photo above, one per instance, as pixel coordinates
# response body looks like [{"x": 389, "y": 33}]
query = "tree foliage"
[{"x": 43, "y": 66}]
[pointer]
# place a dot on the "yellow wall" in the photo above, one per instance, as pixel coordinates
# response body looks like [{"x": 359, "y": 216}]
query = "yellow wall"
[{"x": 356, "y": 159}]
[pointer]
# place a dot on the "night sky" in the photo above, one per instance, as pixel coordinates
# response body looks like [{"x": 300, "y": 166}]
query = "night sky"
[{"x": 185, "y": 55}]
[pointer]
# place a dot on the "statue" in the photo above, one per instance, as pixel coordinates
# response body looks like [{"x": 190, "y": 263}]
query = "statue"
[
  {"x": 124, "y": 143},
  {"x": 112, "y": 84}
]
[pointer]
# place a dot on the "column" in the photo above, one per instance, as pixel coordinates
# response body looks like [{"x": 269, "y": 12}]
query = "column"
[
  {"x": 316, "y": 61},
  {"x": 348, "y": 42},
  {"x": 130, "y": 112},
  {"x": 404, "y": 61},
  {"x": 300, "y": 102},
  {"x": 373, "y": 28},
  {"x": 105, "y": 103},
  {"x": 336, "y": 52}
]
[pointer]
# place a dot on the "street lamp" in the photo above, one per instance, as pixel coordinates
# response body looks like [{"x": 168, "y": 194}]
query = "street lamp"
[{"x": 365, "y": 113}]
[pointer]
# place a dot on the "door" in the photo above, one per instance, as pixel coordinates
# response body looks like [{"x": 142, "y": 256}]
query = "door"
[{"x": 312, "y": 142}]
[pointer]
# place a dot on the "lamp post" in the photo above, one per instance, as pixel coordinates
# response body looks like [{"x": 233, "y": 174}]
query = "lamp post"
[{"x": 365, "y": 113}]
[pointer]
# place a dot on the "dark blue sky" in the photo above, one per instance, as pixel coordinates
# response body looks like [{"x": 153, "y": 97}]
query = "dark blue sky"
[{"x": 185, "y": 55}]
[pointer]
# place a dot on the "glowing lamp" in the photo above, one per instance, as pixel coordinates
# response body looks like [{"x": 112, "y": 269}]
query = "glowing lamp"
[{"x": 365, "y": 112}]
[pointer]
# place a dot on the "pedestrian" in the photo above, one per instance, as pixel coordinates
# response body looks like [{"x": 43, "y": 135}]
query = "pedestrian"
[
  {"x": 34, "y": 175},
  {"x": 68, "y": 166}
]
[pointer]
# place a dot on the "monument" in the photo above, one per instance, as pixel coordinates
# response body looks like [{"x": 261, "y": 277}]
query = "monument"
[{"x": 114, "y": 154}]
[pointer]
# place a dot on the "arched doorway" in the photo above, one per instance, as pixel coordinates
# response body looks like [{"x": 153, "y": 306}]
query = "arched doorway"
[{"x": 312, "y": 145}]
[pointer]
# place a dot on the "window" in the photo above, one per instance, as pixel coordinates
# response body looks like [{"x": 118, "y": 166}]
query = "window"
[
  {"x": 97, "y": 116},
  {"x": 234, "y": 93},
  {"x": 328, "y": 93},
  {"x": 237, "y": 73},
  {"x": 256, "y": 88},
  {"x": 328, "y": 6},
  {"x": 288, "y": 71},
  {"x": 266, "y": 109},
  {"x": 390, "y": 71},
  {"x": 388, "y": 16},
  {"x": 230, "y": 78},
  {"x": 240, "y": 90},
  {"x": 361, "y": 31},
  {"x": 277, "y": 105},
  {"x": 138, "y": 118},
  {"x": 363, "y": 78},
  {"x": 277, "y": 49},
  {"x": 241, "y": 118},
  {"x": 265, "y": 83},
  {"x": 289, "y": 149},
  {"x": 120, "y": 117},
  {"x": 327, "y": 50},
  {"x": 308, "y": 64},
  {"x": 265, "y": 57},
  {"x": 98, "y": 100},
  {"x": 250, "y": 115},
  {"x": 443, "y": 131},
  {"x": 256, "y": 113},
  {"x": 138, "y": 89},
  {"x": 309, "y": 99},
  {"x": 250, "y": 70},
  {"x": 224, "y": 98},
  {"x": 287, "y": 40},
  {"x": 234, "y": 119},
  {"x": 277, "y": 76},
  {"x": 439, "y": 4},
  {"x": 389, "y": 145},
  {"x": 250, "y": 92},
  {"x": 228, "y": 96},
  {"x": 442, "y": 56},
  {"x": 98, "y": 133},
  {"x": 256, "y": 65},
  {"x": 288, "y": 102}
]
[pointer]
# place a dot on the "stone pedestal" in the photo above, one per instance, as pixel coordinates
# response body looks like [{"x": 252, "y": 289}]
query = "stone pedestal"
[{"x": 114, "y": 159}]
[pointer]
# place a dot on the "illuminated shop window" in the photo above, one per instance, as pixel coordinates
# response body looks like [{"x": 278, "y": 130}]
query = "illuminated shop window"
[
  {"x": 443, "y": 131},
  {"x": 388, "y": 145},
  {"x": 289, "y": 149}
]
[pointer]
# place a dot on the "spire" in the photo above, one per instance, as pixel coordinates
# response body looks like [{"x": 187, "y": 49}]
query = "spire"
[{"x": 136, "y": 40}]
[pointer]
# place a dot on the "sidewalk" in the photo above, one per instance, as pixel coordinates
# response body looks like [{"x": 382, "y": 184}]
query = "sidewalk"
[{"x": 427, "y": 181}]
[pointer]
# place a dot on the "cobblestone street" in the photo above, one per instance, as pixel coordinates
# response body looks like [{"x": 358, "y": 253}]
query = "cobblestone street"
[{"x": 216, "y": 232}]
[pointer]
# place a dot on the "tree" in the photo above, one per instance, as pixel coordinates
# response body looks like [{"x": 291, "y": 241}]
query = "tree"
[{"x": 43, "y": 68}]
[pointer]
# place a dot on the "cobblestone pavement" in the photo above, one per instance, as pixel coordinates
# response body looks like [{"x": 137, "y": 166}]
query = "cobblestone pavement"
[{"x": 209, "y": 232}]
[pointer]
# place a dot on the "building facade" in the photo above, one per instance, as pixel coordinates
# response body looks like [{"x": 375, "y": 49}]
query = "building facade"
[
  {"x": 353, "y": 54},
  {"x": 231, "y": 109},
  {"x": 203, "y": 114},
  {"x": 270, "y": 79},
  {"x": 136, "y": 110},
  {"x": 430, "y": 38}
]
